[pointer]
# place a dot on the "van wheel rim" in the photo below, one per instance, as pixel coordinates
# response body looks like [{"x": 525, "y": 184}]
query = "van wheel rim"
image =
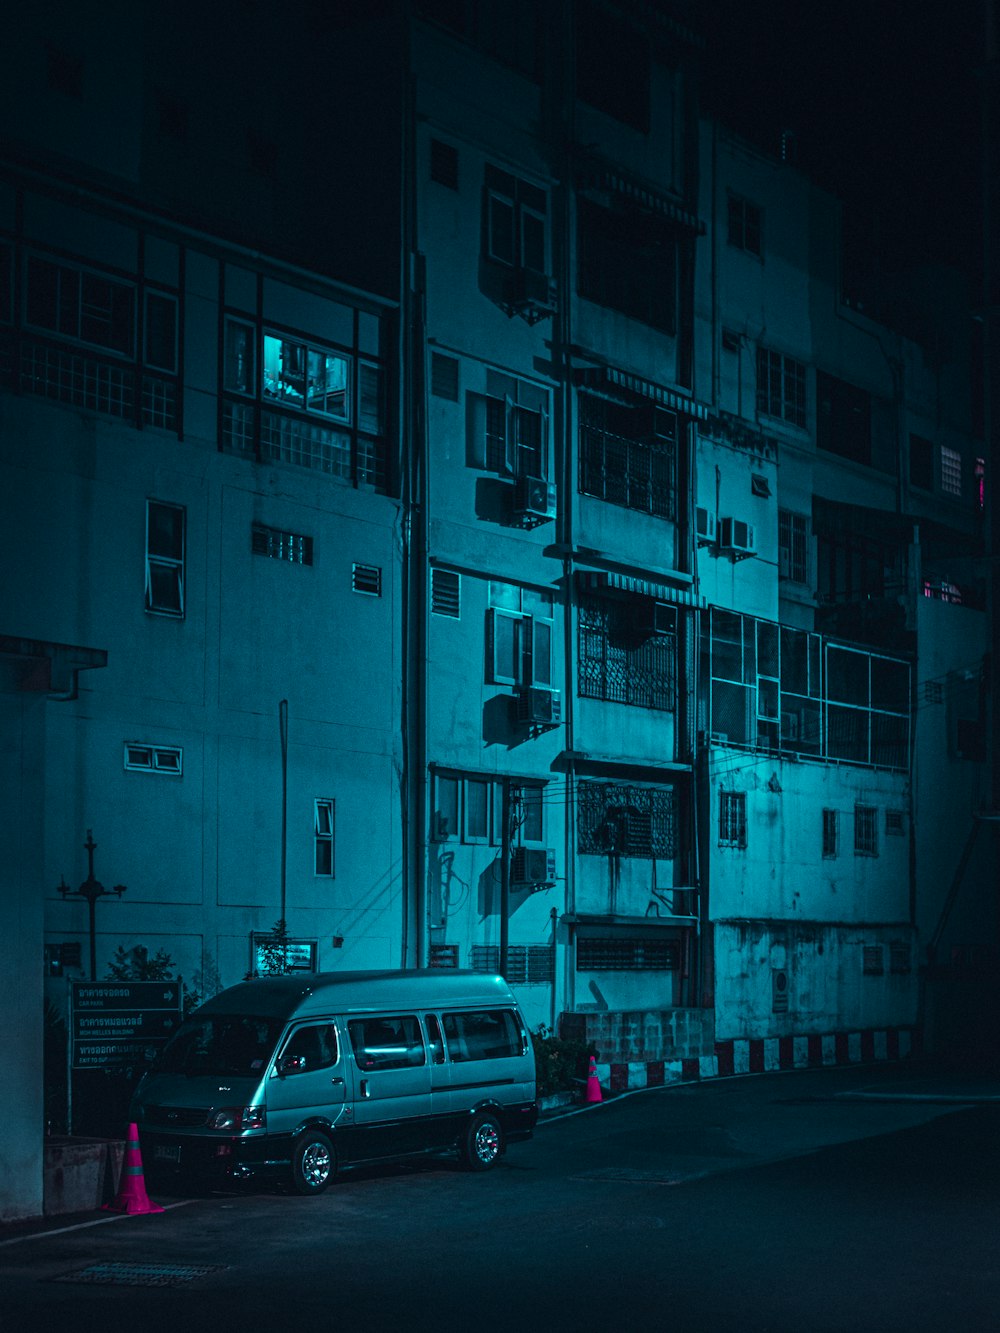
[
  {"x": 487, "y": 1142},
  {"x": 315, "y": 1164}
]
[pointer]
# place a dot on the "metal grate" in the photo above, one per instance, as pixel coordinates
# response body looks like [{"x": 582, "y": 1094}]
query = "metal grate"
[
  {"x": 446, "y": 593},
  {"x": 621, "y": 820},
  {"x": 628, "y": 954},
  {"x": 618, "y": 664},
  {"x": 140, "y": 1275},
  {"x": 527, "y": 964},
  {"x": 292, "y": 547},
  {"x": 367, "y": 579}
]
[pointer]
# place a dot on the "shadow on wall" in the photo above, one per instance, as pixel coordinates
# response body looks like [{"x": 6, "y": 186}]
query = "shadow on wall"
[
  {"x": 489, "y": 892},
  {"x": 500, "y": 724}
]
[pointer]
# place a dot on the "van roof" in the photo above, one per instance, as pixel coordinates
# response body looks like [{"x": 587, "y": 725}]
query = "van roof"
[{"x": 300, "y": 993}]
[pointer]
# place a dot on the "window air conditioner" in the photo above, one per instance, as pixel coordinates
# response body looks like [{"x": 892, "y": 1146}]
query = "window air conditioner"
[
  {"x": 704, "y": 526},
  {"x": 535, "y": 499},
  {"x": 737, "y": 537},
  {"x": 657, "y": 618},
  {"x": 533, "y": 866},
  {"x": 529, "y": 294},
  {"x": 539, "y": 707}
]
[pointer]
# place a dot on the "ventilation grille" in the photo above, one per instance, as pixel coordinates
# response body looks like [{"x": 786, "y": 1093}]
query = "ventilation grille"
[
  {"x": 367, "y": 579},
  {"x": 527, "y": 964},
  {"x": 278, "y": 545},
  {"x": 446, "y": 593}
]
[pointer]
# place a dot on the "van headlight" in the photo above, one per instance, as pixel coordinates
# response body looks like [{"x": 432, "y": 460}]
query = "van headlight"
[{"x": 238, "y": 1117}]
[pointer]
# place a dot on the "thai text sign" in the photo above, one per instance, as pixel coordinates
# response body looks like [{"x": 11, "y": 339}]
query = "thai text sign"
[{"x": 115, "y": 1022}]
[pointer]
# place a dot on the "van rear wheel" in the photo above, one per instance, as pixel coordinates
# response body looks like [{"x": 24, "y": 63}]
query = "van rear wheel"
[
  {"x": 314, "y": 1162},
  {"x": 483, "y": 1143}
]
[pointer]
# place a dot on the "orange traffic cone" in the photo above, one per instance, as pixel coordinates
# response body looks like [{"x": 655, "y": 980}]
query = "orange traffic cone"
[
  {"x": 132, "y": 1196},
  {"x": 593, "y": 1083}
]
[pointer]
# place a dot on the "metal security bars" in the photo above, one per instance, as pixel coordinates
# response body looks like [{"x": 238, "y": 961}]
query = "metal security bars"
[
  {"x": 527, "y": 964},
  {"x": 787, "y": 690},
  {"x": 620, "y": 662},
  {"x": 627, "y": 954},
  {"x": 628, "y": 456},
  {"x": 615, "y": 819}
]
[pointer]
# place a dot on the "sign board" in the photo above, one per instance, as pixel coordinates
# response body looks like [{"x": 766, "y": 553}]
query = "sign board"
[
  {"x": 114, "y": 1023},
  {"x": 298, "y": 955}
]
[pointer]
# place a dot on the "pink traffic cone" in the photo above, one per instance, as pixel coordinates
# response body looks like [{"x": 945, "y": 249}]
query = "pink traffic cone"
[
  {"x": 593, "y": 1083},
  {"x": 132, "y": 1196}
]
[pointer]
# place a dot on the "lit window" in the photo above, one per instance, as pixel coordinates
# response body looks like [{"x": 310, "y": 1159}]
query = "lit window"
[
  {"x": 323, "y": 837},
  {"x": 164, "y": 558},
  {"x": 297, "y": 375}
]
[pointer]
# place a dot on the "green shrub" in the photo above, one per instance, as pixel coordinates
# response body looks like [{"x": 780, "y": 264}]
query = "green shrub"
[{"x": 560, "y": 1064}]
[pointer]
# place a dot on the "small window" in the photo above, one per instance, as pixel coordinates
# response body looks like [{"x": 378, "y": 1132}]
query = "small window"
[
  {"x": 760, "y": 486},
  {"x": 154, "y": 758},
  {"x": 444, "y": 823},
  {"x": 744, "y": 224},
  {"x": 292, "y": 547},
  {"x": 239, "y": 373},
  {"x": 951, "y": 471},
  {"x": 933, "y": 692},
  {"x": 6, "y": 284},
  {"x": 527, "y": 964},
  {"x": 781, "y": 387},
  {"x": 732, "y": 819},
  {"x": 444, "y": 164},
  {"x": 367, "y": 579},
  {"x": 831, "y": 833},
  {"x": 446, "y": 591},
  {"x": 895, "y": 822},
  {"x": 865, "y": 830},
  {"x": 164, "y": 558},
  {"x": 387, "y": 1042},
  {"x": 872, "y": 964},
  {"x": 309, "y": 378},
  {"x": 514, "y": 221},
  {"x": 477, "y": 810},
  {"x": 64, "y": 71},
  {"x": 627, "y": 954},
  {"x": 490, "y": 1035},
  {"x": 160, "y": 332},
  {"x": 899, "y": 957},
  {"x": 324, "y": 830},
  {"x": 444, "y": 376}
]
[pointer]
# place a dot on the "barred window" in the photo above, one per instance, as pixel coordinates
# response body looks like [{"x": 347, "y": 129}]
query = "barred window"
[
  {"x": 781, "y": 387},
  {"x": 621, "y": 661},
  {"x": 628, "y": 455},
  {"x": 865, "y": 830},
  {"x": 292, "y": 547},
  {"x": 951, "y": 471},
  {"x": 627, "y": 954},
  {"x": 527, "y": 964},
  {"x": 732, "y": 819},
  {"x": 872, "y": 963},
  {"x": 831, "y": 833},
  {"x": 613, "y": 818}
]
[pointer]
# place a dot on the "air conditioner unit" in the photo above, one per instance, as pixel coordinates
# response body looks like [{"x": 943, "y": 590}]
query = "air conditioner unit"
[
  {"x": 704, "y": 526},
  {"x": 529, "y": 294},
  {"x": 737, "y": 537},
  {"x": 533, "y": 866},
  {"x": 657, "y": 618},
  {"x": 539, "y": 707},
  {"x": 535, "y": 499}
]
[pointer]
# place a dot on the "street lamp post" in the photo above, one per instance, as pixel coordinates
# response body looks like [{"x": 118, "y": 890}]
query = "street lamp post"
[{"x": 91, "y": 889}]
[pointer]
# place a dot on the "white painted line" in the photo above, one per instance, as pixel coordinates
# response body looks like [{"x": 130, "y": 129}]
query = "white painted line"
[{"x": 79, "y": 1226}]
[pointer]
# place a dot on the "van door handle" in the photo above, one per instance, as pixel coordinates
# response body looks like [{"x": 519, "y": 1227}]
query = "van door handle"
[
  {"x": 365, "y": 1089},
  {"x": 337, "y": 1082}
]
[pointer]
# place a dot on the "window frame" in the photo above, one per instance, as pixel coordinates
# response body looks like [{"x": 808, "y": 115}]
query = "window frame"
[
  {"x": 159, "y": 561},
  {"x": 866, "y": 840},
  {"x": 738, "y": 212},
  {"x": 733, "y": 819},
  {"x": 523, "y": 199},
  {"x": 782, "y": 391},
  {"x": 80, "y": 272},
  {"x": 325, "y": 837},
  {"x": 831, "y": 834},
  {"x": 796, "y": 527}
]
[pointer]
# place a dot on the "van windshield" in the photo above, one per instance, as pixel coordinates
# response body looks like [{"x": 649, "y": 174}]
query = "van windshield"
[{"x": 221, "y": 1044}]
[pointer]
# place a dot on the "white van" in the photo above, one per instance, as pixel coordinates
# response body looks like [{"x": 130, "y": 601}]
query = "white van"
[{"x": 296, "y": 1075}]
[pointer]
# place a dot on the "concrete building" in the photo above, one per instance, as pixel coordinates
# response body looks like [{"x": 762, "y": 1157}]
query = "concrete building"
[{"x": 494, "y": 537}]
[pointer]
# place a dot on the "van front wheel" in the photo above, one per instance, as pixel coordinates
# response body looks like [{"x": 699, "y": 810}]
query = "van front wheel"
[
  {"x": 314, "y": 1163},
  {"x": 483, "y": 1143}
]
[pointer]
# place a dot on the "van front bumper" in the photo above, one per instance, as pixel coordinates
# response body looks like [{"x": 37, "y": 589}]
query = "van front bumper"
[{"x": 217, "y": 1158}]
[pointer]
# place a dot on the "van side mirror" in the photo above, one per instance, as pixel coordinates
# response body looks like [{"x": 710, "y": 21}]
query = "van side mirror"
[{"x": 291, "y": 1064}]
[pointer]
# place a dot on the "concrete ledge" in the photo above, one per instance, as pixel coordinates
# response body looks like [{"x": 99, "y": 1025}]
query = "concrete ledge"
[{"x": 79, "y": 1174}]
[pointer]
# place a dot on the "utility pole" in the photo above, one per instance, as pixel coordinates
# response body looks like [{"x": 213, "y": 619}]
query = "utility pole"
[
  {"x": 504, "y": 874},
  {"x": 91, "y": 889}
]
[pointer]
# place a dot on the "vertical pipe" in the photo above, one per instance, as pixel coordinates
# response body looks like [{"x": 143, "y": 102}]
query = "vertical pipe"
[
  {"x": 283, "y": 731},
  {"x": 504, "y": 874}
]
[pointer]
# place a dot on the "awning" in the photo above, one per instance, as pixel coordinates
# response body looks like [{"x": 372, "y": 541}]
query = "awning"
[
  {"x": 606, "y": 179},
  {"x": 624, "y": 384},
  {"x": 605, "y": 581}
]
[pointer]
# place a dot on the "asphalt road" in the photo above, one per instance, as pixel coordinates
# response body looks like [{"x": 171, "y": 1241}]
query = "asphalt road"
[{"x": 785, "y": 1202}]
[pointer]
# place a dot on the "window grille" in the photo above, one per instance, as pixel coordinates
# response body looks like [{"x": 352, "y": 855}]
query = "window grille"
[
  {"x": 292, "y": 547},
  {"x": 527, "y": 964},
  {"x": 872, "y": 963},
  {"x": 951, "y": 471},
  {"x": 732, "y": 819},
  {"x": 831, "y": 833},
  {"x": 619, "y": 663},
  {"x": 933, "y": 692},
  {"x": 367, "y": 579},
  {"x": 899, "y": 957},
  {"x": 446, "y": 593},
  {"x": 615, "y": 819},
  {"x": 865, "y": 830},
  {"x": 895, "y": 822},
  {"x": 628, "y": 456},
  {"x": 627, "y": 954}
]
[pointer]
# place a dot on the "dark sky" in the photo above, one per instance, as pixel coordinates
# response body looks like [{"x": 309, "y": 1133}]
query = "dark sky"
[{"x": 884, "y": 97}]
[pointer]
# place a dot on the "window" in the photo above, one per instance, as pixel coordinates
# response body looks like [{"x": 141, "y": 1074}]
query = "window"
[
  {"x": 519, "y": 636},
  {"x": 311, "y": 1047},
  {"x": 164, "y": 558},
  {"x": 895, "y": 822},
  {"x": 899, "y": 956},
  {"x": 781, "y": 387},
  {"x": 865, "y": 830},
  {"x": 527, "y": 964},
  {"x": 514, "y": 222},
  {"x": 469, "y": 807},
  {"x": 291, "y": 547},
  {"x": 793, "y": 546},
  {"x": 507, "y": 429},
  {"x": 623, "y": 820},
  {"x": 446, "y": 593},
  {"x": 444, "y": 376},
  {"x": 367, "y": 579},
  {"x": 744, "y": 224},
  {"x": 160, "y": 332},
  {"x": 627, "y": 954},
  {"x": 292, "y": 400},
  {"x": 933, "y": 692},
  {"x": 732, "y": 819},
  {"x": 612, "y": 65},
  {"x": 628, "y": 455},
  {"x": 80, "y": 304},
  {"x": 483, "y": 1035},
  {"x": 384, "y": 1042},
  {"x": 6, "y": 283},
  {"x": 444, "y": 164},
  {"x": 843, "y": 419},
  {"x": 154, "y": 758},
  {"x": 872, "y": 964},
  {"x": 831, "y": 833},
  {"x": 951, "y": 471},
  {"x": 921, "y": 463},
  {"x": 627, "y": 261},
  {"x": 621, "y": 659},
  {"x": 324, "y": 830}
]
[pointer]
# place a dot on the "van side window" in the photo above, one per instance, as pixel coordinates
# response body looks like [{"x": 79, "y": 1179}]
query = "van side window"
[
  {"x": 387, "y": 1042},
  {"x": 482, "y": 1035},
  {"x": 315, "y": 1046},
  {"x": 434, "y": 1039}
]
